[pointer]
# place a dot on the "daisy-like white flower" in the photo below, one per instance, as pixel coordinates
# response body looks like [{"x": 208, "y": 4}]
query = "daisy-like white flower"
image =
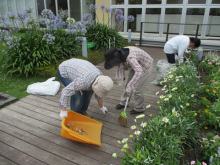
[
  {"x": 157, "y": 93},
  {"x": 187, "y": 104},
  {"x": 181, "y": 106},
  {"x": 170, "y": 96},
  {"x": 177, "y": 114},
  {"x": 166, "y": 99},
  {"x": 173, "y": 110},
  {"x": 125, "y": 140},
  {"x": 163, "y": 89},
  {"x": 126, "y": 145},
  {"x": 192, "y": 95},
  {"x": 148, "y": 106},
  {"x": 140, "y": 116},
  {"x": 143, "y": 124},
  {"x": 180, "y": 76},
  {"x": 166, "y": 91},
  {"x": 177, "y": 80},
  {"x": 165, "y": 120},
  {"x": 133, "y": 127},
  {"x": 161, "y": 96},
  {"x": 114, "y": 155},
  {"x": 119, "y": 142},
  {"x": 165, "y": 86},
  {"x": 135, "y": 120},
  {"x": 137, "y": 133}
]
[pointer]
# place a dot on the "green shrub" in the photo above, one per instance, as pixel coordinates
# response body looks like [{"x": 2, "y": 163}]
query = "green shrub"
[
  {"x": 29, "y": 51},
  {"x": 100, "y": 34}
]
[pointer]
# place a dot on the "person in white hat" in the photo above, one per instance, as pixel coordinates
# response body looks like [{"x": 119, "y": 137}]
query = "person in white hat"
[{"x": 81, "y": 78}]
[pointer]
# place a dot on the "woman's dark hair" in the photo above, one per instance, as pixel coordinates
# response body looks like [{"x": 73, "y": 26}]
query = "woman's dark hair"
[{"x": 196, "y": 41}]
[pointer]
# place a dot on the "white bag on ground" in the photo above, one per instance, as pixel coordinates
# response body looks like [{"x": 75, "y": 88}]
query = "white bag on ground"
[
  {"x": 163, "y": 68},
  {"x": 48, "y": 87}
]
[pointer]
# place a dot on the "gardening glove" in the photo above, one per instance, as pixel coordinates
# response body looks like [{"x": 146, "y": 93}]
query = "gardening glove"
[
  {"x": 104, "y": 110},
  {"x": 63, "y": 114}
]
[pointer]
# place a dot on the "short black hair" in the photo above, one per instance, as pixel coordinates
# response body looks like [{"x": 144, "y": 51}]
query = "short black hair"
[{"x": 196, "y": 41}]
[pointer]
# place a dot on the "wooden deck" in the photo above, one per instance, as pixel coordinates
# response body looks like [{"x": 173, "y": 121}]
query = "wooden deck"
[{"x": 30, "y": 128}]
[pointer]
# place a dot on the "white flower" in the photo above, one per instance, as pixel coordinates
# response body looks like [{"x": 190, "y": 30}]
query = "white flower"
[
  {"x": 114, "y": 155},
  {"x": 166, "y": 91},
  {"x": 140, "y": 116},
  {"x": 173, "y": 110},
  {"x": 163, "y": 89},
  {"x": 177, "y": 80},
  {"x": 165, "y": 120},
  {"x": 166, "y": 99},
  {"x": 148, "y": 106},
  {"x": 177, "y": 114},
  {"x": 125, "y": 140},
  {"x": 192, "y": 95},
  {"x": 170, "y": 96},
  {"x": 157, "y": 93},
  {"x": 133, "y": 127},
  {"x": 143, "y": 124},
  {"x": 180, "y": 76},
  {"x": 170, "y": 76},
  {"x": 181, "y": 106},
  {"x": 165, "y": 86},
  {"x": 119, "y": 142},
  {"x": 137, "y": 133},
  {"x": 161, "y": 96}
]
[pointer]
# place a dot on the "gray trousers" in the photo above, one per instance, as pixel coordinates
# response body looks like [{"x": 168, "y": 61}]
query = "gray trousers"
[{"x": 140, "y": 90}]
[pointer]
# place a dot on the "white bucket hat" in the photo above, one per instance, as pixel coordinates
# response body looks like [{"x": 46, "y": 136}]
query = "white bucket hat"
[{"x": 102, "y": 85}]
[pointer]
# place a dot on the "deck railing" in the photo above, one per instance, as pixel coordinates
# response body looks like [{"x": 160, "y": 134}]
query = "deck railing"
[{"x": 168, "y": 26}]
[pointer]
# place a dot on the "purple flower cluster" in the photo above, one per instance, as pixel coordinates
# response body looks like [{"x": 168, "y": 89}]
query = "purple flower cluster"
[
  {"x": 46, "y": 13},
  {"x": 87, "y": 17},
  {"x": 120, "y": 18},
  {"x": 103, "y": 7},
  {"x": 130, "y": 18},
  {"x": 78, "y": 38},
  {"x": 48, "y": 38},
  {"x": 3, "y": 34},
  {"x": 93, "y": 8},
  {"x": 12, "y": 42}
]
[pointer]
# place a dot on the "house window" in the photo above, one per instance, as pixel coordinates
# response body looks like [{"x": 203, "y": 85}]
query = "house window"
[
  {"x": 135, "y": 2},
  {"x": 174, "y": 1},
  {"x": 194, "y": 16},
  {"x": 215, "y": 1},
  {"x": 75, "y": 9},
  {"x": 172, "y": 15},
  {"x": 197, "y": 2},
  {"x": 40, "y": 4},
  {"x": 152, "y": 15},
  {"x": 214, "y": 18},
  {"x": 117, "y": 2},
  {"x": 51, "y": 5},
  {"x": 154, "y": 1}
]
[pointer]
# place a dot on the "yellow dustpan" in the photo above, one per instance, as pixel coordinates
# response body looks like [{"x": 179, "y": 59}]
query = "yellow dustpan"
[{"x": 81, "y": 128}]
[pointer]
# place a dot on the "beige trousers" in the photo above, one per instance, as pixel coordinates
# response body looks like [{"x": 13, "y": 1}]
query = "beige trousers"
[{"x": 140, "y": 90}]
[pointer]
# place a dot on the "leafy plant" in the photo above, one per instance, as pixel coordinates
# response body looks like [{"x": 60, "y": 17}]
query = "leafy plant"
[{"x": 101, "y": 34}]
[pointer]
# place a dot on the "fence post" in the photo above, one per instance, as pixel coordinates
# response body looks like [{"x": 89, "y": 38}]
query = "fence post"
[
  {"x": 84, "y": 47},
  {"x": 197, "y": 30},
  {"x": 129, "y": 35},
  {"x": 141, "y": 34},
  {"x": 168, "y": 27}
]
